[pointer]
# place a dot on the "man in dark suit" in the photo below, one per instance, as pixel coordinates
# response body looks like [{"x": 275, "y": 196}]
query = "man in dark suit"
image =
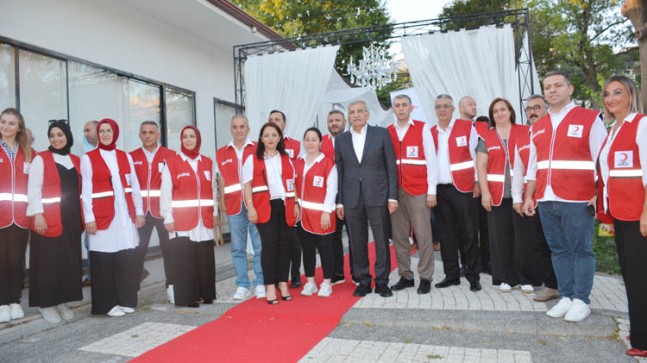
[{"x": 368, "y": 193}]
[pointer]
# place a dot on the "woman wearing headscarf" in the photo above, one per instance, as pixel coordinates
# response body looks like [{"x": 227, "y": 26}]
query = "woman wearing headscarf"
[
  {"x": 269, "y": 178},
  {"x": 15, "y": 159},
  {"x": 55, "y": 247},
  {"x": 622, "y": 199},
  {"x": 186, "y": 204},
  {"x": 112, "y": 207}
]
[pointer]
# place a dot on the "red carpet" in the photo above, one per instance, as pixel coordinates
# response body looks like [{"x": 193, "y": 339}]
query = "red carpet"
[{"x": 259, "y": 332}]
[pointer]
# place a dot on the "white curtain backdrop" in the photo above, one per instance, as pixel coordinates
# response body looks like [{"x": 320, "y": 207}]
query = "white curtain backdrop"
[
  {"x": 479, "y": 63},
  {"x": 293, "y": 82}
]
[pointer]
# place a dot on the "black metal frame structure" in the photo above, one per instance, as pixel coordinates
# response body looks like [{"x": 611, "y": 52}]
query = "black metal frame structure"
[{"x": 519, "y": 19}]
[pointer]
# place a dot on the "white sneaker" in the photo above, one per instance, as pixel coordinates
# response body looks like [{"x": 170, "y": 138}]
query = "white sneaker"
[
  {"x": 527, "y": 289},
  {"x": 325, "y": 290},
  {"x": 16, "y": 311},
  {"x": 579, "y": 311},
  {"x": 115, "y": 311},
  {"x": 505, "y": 287},
  {"x": 561, "y": 308},
  {"x": 309, "y": 289},
  {"x": 126, "y": 309},
  {"x": 5, "y": 313},
  {"x": 259, "y": 291},
  {"x": 65, "y": 312},
  {"x": 50, "y": 314},
  {"x": 170, "y": 294},
  {"x": 241, "y": 293}
]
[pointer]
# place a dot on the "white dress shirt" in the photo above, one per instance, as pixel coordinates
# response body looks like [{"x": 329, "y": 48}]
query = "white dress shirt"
[
  {"x": 35, "y": 184},
  {"x": 331, "y": 183},
  {"x": 199, "y": 233},
  {"x": 641, "y": 141},
  {"x": 442, "y": 158},
  {"x": 596, "y": 139},
  {"x": 122, "y": 232},
  {"x": 359, "y": 139},
  {"x": 428, "y": 148}
]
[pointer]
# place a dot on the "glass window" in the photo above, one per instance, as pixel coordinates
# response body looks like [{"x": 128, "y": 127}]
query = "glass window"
[
  {"x": 7, "y": 77},
  {"x": 43, "y": 93},
  {"x": 180, "y": 111},
  {"x": 223, "y": 112},
  {"x": 94, "y": 94},
  {"x": 141, "y": 103}
]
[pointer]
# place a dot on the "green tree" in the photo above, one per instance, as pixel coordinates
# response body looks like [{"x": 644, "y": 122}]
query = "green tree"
[
  {"x": 296, "y": 18},
  {"x": 636, "y": 11}
]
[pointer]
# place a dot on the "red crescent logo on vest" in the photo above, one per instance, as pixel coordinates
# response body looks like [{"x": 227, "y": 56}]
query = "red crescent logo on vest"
[{"x": 624, "y": 156}]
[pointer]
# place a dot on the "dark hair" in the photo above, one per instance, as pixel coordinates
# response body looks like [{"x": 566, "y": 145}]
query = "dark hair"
[
  {"x": 558, "y": 73},
  {"x": 401, "y": 96},
  {"x": 482, "y": 119},
  {"x": 285, "y": 119},
  {"x": 513, "y": 115},
  {"x": 332, "y": 112},
  {"x": 260, "y": 149},
  {"x": 315, "y": 130}
]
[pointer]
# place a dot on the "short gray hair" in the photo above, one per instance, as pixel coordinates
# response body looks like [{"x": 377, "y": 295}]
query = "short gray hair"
[
  {"x": 444, "y": 96},
  {"x": 239, "y": 115},
  {"x": 357, "y": 103}
]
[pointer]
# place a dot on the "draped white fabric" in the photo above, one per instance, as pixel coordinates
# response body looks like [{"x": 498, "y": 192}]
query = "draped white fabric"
[
  {"x": 479, "y": 63},
  {"x": 293, "y": 82}
]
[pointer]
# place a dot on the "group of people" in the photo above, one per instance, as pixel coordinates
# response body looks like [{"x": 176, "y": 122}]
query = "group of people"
[{"x": 516, "y": 200}]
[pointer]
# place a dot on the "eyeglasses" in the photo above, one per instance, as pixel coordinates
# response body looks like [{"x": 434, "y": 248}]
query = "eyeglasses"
[
  {"x": 54, "y": 121},
  {"x": 534, "y": 108},
  {"x": 444, "y": 107}
]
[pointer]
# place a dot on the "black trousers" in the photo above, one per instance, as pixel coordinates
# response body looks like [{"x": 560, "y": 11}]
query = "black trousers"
[
  {"x": 295, "y": 255},
  {"x": 13, "y": 244},
  {"x": 532, "y": 251},
  {"x": 357, "y": 222},
  {"x": 338, "y": 250},
  {"x": 115, "y": 280},
  {"x": 484, "y": 238},
  {"x": 507, "y": 257},
  {"x": 312, "y": 243},
  {"x": 456, "y": 213},
  {"x": 144, "y": 239},
  {"x": 632, "y": 249},
  {"x": 194, "y": 269},
  {"x": 276, "y": 237}
]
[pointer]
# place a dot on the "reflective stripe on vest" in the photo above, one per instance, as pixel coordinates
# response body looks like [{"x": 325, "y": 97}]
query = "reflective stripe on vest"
[
  {"x": 151, "y": 193},
  {"x": 461, "y": 166},
  {"x": 496, "y": 178},
  {"x": 192, "y": 203},
  {"x": 632, "y": 173},
  {"x": 566, "y": 164},
  {"x": 51, "y": 200},
  {"x": 311, "y": 205},
  {"x": 411, "y": 162},
  {"x": 290, "y": 194},
  {"x": 16, "y": 197},
  {"x": 233, "y": 188},
  {"x": 128, "y": 190},
  {"x": 263, "y": 188},
  {"x": 102, "y": 195}
]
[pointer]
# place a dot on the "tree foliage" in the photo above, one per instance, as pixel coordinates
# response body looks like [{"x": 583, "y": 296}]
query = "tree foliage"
[
  {"x": 577, "y": 36},
  {"x": 636, "y": 12},
  {"x": 294, "y": 18}
]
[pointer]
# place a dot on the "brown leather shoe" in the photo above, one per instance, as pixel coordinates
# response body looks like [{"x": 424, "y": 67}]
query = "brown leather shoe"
[{"x": 546, "y": 294}]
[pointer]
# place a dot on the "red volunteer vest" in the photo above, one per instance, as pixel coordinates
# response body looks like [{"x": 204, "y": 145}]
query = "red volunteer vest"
[
  {"x": 13, "y": 190},
  {"x": 292, "y": 147},
  {"x": 564, "y": 158},
  {"x": 625, "y": 188},
  {"x": 261, "y": 191},
  {"x": 150, "y": 177},
  {"x": 192, "y": 197},
  {"x": 327, "y": 147},
  {"x": 498, "y": 159},
  {"x": 481, "y": 127},
  {"x": 312, "y": 193},
  {"x": 523, "y": 145},
  {"x": 410, "y": 158},
  {"x": 461, "y": 165},
  {"x": 229, "y": 169},
  {"x": 103, "y": 195},
  {"x": 51, "y": 196}
]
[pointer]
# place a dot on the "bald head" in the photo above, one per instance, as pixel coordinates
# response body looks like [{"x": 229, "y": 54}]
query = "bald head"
[
  {"x": 90, "y": 132},
  {"x": 467, "y": 108}
]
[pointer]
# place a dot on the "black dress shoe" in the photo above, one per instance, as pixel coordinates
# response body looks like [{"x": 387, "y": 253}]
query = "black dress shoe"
[
  {"x": 362, "y": 290},
  {"x": 464, "y": 270},
  {"x": 447, "y": 283},
  {"x": 475, "y": 286},
  {"x": 424, "y": 287},
  {"x": 383, "y": 290},
  {"x": 337, "y": 279},
  {"x": 296, "y": 283},
  {"x": 402, "y": 284}
]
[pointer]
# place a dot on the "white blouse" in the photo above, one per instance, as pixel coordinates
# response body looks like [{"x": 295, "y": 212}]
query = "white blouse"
[
  {"x": 273, "y": 168},
  {"x": 122, "y": 232}
]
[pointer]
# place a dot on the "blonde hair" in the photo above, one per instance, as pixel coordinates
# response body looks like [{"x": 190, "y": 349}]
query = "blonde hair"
[{"x": 23, "y": 142}]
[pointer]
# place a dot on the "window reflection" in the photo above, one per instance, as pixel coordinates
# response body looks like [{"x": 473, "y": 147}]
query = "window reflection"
[
  {"x": 180, "y": 111},
  {"x": 7, "y": 77}
]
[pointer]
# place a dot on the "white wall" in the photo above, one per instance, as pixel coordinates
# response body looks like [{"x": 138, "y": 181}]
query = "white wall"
[{"x": 115, "y": 35}]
